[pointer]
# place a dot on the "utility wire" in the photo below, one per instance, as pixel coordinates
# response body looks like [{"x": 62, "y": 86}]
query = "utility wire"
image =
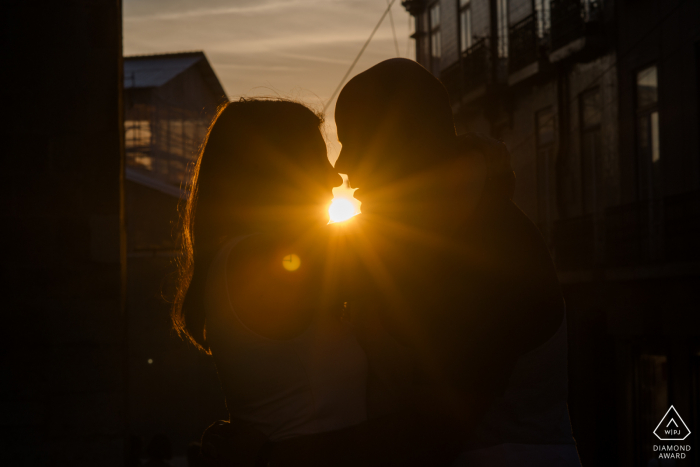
[
  {"x": 388, "y": 9},
  {"x": 393, "y": 30}
]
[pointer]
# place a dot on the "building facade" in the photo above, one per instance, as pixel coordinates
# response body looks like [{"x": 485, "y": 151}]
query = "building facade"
[
  {"x": 598, "y": 102},
  {"x": 169, "y": 102}
]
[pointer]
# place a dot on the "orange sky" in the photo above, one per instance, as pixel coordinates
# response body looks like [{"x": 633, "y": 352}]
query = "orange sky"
[{"x": 292, "y": 48}]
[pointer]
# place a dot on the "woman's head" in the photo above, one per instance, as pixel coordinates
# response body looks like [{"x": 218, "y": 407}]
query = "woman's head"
[{"x": 262, "y": 167}]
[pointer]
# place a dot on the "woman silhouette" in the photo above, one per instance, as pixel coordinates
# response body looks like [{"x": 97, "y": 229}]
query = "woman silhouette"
[{"x": 254, "y": 286}]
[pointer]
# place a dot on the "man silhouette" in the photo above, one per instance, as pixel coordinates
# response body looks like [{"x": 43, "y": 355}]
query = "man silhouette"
[
  {"x": 454, "y": 273},
  {"x": 458, "y": 273}
]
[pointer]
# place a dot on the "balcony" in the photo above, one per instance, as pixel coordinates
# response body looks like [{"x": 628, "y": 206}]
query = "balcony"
[
  {"x": 523, "y": 44},
  {"x": 451, "y": 77},
  {"x": 475, "y": 65},
  {"x": 468, "y": 76},
  {"x": 576, "y": 25}
]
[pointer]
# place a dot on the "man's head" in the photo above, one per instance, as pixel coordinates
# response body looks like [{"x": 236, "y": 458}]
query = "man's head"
[{"x": 394, "y": 120}]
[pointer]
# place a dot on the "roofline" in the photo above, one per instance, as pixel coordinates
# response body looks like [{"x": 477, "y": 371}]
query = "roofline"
[
  {"x": 139, "y": 177},
  {"x": 212, "y": 80},
  {"x": 214, "y": 84},
  {"x": 191, "y": 53}
]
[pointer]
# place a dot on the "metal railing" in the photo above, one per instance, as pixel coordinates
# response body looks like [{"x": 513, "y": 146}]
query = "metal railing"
[
  {"x": 475, "y": 65},
  {"x": 569, "y": 20},
  {"x": 523, "y": 43},
  {"x": 451, "y": 77}
]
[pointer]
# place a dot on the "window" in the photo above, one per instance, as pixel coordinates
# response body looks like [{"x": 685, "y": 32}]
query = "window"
[
  {"x": 465, "y": 25},
  {"x": 648, "y": 147},
  {"x": 137, "y": 139},
  {"x": 591, "y": 113},
  {"x": 435, "y": 42},
  {"x": 502, "y": 24},
  {"x": 652, "y": 401},
  {"x": 545, "y": 135},
  {"x": 543, "y": 10}
]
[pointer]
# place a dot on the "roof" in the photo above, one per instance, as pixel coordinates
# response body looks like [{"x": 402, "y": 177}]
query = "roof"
[
  {"x": 152, "y": 71},
  {"x": 136, "y": 176}
]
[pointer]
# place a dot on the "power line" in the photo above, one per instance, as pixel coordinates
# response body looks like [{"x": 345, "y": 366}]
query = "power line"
[
  {"x": 342, "y": 81},
  {"x": 393, "y": 30}
]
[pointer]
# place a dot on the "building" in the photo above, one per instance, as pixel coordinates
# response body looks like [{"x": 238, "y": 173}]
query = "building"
[
  {"x": 169, "y": 101},
  {"x": 598, "y": 102}
]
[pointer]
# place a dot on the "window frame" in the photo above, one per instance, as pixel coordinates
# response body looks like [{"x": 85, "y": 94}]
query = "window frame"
[
  {"x": 544, "y": 156},
  {"x": 648, "y": 175},
  {"x": 590, "y": 206},
  {"x": 543, "y": 12},
  {"x": 502, "y": 28},
  {"x": 465, "y": 41},
  {"x": 434, "y": 31}
]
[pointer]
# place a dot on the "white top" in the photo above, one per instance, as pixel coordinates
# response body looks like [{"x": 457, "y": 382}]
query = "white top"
[{"x": 313, "y": 383}]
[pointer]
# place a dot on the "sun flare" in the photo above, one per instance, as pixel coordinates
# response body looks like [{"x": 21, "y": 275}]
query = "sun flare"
[
  {"x": 344, "y": 205},
  {"x": 341, "y": 209},
  {"x": 291, "y": 262}
]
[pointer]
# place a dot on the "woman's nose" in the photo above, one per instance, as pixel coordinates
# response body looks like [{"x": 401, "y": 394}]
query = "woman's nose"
[{"x": 334, "y": 179}]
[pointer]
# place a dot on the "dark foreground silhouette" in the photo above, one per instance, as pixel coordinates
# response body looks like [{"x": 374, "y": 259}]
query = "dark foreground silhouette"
[
  {"x": 458, "y": 274},
  {"x": 448, "y": 286}
]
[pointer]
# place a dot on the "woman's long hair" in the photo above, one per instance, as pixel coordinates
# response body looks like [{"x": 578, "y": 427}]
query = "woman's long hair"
[{"x": 246, "y": 151}]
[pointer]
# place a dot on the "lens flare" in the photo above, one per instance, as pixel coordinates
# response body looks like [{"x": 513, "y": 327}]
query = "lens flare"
[
  {"x": 291, "y": 262},
  {"x": 344, "y": 205}
]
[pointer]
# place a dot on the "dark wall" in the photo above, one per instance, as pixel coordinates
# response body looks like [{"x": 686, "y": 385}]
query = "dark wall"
[
  {"x": 661, "y": 33},
  {"x": 611, "y": 325},
  {"x": 63, "y": 359},
  {"x": 173, "y": 389}
]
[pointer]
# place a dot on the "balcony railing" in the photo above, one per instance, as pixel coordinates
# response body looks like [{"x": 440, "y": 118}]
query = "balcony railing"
[
  {"x": 523, "y": 43},
  {"x": 475, "y": 65},
  {"x": 569, "y": 20},
  {"x": 451, "y": 77}
]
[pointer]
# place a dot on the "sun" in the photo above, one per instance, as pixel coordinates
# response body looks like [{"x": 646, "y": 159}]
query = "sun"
[
  {"x": 341, "y": 209},
  {"x": 344, "y": 205}
]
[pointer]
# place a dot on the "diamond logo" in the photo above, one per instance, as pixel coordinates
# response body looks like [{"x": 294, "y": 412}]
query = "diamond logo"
[{"x": 672, "y": 427}]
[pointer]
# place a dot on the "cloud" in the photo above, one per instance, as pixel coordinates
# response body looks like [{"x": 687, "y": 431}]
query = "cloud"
[
  {"x": 294, "y": 48},
  {"x": 256, "y": 8}
]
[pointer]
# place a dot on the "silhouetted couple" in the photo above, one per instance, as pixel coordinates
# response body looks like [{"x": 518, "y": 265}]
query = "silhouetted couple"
[{"x": 428, "y": 330}]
